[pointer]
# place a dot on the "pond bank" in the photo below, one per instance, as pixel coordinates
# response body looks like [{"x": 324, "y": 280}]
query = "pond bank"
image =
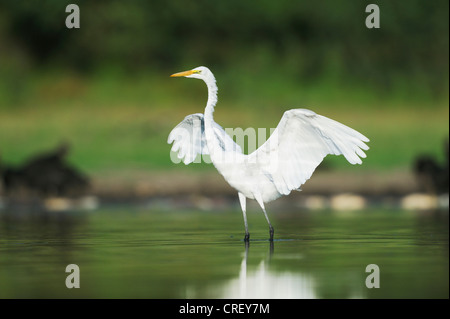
[
  {"x": 139, "y": 184},
  {"x": 338, "y": 191}
]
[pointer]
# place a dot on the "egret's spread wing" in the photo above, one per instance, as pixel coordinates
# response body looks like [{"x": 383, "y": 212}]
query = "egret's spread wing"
[
  {"x": 298, "y": 145},
  {"x": 188, "y": 138},
  {"x": 225, "y": 141}
]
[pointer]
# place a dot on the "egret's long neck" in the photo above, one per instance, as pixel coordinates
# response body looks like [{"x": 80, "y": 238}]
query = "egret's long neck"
[
  {"x": 212, "y": 100},
  {"x": 211, "y": 141}
]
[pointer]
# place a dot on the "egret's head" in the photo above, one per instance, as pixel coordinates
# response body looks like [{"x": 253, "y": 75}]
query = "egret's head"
[{"x": 201, "y": 72}]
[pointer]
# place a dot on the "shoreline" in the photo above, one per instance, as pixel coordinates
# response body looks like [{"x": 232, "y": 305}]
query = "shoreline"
[
  {"x": 208, "y": 191},
  {"x": 141, "y": 184}
]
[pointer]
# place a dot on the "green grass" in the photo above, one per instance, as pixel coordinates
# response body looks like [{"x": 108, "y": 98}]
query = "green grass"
[{"x": 116, "y": 122}]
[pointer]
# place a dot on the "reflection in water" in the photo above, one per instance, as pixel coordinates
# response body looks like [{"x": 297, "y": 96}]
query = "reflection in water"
[
  {"x": 141, "y": 254},
  {"x": 50, "y": 236},
  {"x": 263, "y": 282}
]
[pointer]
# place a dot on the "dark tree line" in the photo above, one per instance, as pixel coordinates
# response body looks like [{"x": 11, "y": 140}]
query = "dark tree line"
[{"x": 315, "y": 37}]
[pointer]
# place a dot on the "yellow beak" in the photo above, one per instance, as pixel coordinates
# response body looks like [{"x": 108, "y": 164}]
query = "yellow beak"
[{"x": 184, "y": 73}]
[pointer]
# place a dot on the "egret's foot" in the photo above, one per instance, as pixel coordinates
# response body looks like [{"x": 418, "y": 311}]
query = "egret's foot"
[
  {"x": 271, "y": 233},
  {"x": 247, "y": 238}
]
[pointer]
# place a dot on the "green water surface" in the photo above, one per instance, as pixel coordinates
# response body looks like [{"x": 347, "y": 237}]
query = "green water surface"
[{"x": 146, "y": 253}]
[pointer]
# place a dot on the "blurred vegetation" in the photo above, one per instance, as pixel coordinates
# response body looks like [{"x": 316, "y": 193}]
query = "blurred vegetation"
[{"x": 105, "y": 87}]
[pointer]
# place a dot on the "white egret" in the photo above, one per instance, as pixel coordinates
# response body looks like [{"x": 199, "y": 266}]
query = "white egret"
[{"x": 282, "y": 164}]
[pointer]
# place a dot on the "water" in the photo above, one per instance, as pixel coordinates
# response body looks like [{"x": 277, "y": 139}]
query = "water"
[{"x": 144, "y": 253}]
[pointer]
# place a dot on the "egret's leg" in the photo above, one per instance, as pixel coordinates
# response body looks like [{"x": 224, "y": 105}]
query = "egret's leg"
[
  {"x": 261, "y": 203},
  {"x": 243, "y": 200},
  {"x": 271, "y": 230}
]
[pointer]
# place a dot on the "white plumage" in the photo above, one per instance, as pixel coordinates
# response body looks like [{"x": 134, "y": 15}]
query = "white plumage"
[{"x": 283, "y": 163}]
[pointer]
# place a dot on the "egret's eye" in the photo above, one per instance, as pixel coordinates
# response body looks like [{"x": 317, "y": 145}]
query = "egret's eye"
[{"x": 197, "y": 71}]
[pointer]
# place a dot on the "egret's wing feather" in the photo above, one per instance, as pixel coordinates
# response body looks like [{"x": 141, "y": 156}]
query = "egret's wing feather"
[
  {"x": 298, "y": 145},
  {"x": 189, "y": 140},
  {"x": 225, "y": 140}
]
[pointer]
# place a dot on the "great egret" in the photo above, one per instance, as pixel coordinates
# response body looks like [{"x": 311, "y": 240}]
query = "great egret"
[{"x": 282, "y": 164}]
